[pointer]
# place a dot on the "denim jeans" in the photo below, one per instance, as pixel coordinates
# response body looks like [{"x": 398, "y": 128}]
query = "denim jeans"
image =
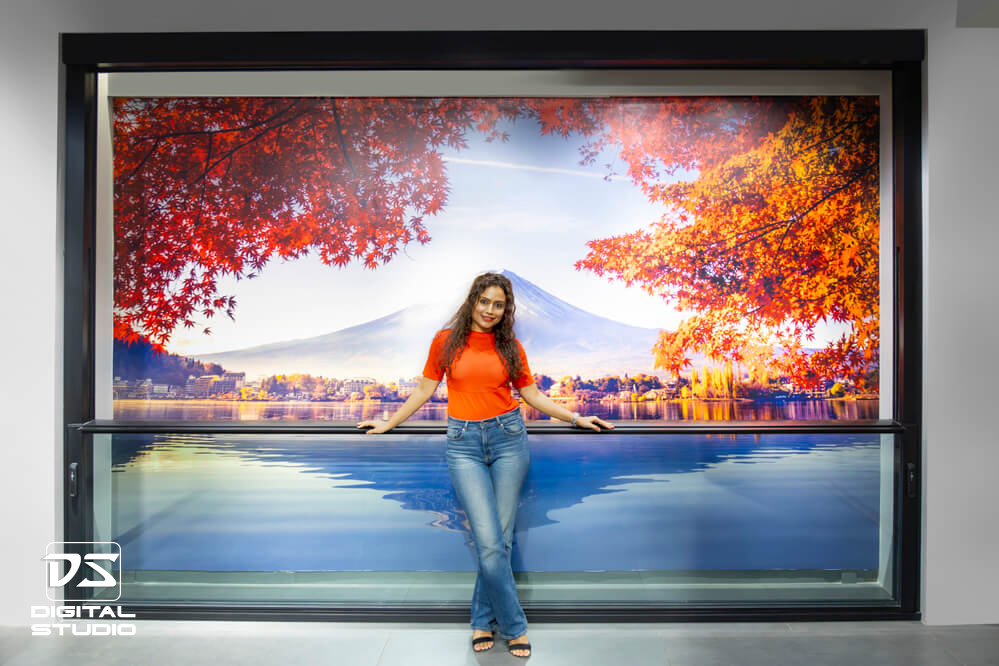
[{"x": 488, "y": 462}]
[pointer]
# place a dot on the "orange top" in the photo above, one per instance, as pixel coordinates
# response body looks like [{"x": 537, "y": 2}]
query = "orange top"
[{"x": 478, "y": 386}]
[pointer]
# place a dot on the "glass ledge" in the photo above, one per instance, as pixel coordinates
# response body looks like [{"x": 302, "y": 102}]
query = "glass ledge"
[{"x": 439, "y": 427}]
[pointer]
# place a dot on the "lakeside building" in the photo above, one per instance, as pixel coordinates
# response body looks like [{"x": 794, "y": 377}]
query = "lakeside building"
[
  {"x": 202, "y": 387},
  {"x": 229, "y": 382},
  {"x": 357, "y": 384},
  {"x": 405, "y": 387}
]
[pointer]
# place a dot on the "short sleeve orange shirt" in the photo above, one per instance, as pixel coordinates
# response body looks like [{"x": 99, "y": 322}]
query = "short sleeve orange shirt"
[{"x": 478, "y": 386}]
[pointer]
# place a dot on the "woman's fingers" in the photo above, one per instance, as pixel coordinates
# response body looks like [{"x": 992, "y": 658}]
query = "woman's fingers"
[
  {"x": 592, "y": 421},
  {"x": 374, "y": 428}
]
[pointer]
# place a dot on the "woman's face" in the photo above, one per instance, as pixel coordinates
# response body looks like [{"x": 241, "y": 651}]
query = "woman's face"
[{"x": 489, "y": 309}]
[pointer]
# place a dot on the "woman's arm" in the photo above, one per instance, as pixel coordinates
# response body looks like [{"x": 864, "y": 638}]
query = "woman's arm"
[
  {"x": 420, "y": 395},
  {"x": 541, "y": 402}
]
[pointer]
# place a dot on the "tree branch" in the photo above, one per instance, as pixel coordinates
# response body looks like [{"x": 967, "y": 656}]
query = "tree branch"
[
  {"x": 253, "y": 138},
  {"x": 158, "y": 138},
  {"x": 241, "y": 128},
  {"x": 339, "y": 136},
  {"x": 204, "y": 182},
  {"x": 859, "y": 174},
  {"x": 346, "y": 157},
  {"x": 142, "y": 163}
]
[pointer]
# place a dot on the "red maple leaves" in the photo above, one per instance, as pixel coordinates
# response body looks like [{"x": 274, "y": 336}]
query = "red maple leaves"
[{"x": 213, "y": 187}]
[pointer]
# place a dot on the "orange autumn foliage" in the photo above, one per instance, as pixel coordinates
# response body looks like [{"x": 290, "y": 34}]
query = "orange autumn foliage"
[{"x": 772, "y": 227}]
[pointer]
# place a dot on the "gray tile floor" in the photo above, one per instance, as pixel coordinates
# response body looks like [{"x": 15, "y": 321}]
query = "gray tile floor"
[{"x": 441, "y": 644}]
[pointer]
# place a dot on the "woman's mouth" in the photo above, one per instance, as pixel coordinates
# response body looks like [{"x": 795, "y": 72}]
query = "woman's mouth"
[{"x": 487, "y": 318}]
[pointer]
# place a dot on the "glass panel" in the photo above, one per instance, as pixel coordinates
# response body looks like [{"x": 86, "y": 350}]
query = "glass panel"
[
  {"x": 656, "y": 520},
  {"x": 753, "y": 292}
]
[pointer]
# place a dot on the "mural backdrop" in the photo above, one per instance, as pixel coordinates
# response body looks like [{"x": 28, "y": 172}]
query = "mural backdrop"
[{"x": 672, "y": 257}]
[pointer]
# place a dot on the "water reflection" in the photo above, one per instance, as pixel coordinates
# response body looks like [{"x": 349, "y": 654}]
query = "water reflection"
[{"x": 191, "y": 475}]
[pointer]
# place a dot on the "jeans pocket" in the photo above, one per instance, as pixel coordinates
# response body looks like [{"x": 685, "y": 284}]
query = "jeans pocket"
[
  {"x": 455, "y": 432},
  {"x": 513, "y": 426}
]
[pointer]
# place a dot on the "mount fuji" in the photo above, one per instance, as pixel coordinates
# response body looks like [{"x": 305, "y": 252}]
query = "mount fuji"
[{"x": 559, "y": 338}]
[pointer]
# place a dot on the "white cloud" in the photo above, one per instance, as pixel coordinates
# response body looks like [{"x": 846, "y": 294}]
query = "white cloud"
[{"x": 530, "y": 167}]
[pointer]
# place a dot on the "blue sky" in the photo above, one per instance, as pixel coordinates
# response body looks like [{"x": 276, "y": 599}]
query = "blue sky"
[{"x": 526, "y": 205}]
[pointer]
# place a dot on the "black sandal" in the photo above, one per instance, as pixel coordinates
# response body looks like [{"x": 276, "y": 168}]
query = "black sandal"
[
  {"x": 483, "y": 639},
  {"x": 519, "y": 646}
]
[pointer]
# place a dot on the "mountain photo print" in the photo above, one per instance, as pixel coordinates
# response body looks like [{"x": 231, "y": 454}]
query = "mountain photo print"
[{"x": 673, "y": 258}]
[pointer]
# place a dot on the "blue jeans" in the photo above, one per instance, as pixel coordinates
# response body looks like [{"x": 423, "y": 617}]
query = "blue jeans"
[{"x": 488, "y": 462}]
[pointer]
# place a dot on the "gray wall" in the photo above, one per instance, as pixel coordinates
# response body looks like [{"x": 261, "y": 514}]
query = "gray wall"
[{"x": 961, "y": 544}]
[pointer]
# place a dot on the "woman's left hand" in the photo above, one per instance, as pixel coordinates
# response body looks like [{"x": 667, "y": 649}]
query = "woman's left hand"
[{"x": 593, "y": 423}]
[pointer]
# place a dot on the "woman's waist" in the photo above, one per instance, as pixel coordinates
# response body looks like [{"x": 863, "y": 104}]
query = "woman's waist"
[
  {"x": 479, "y": 406},
  {"x": 507, "y": 423},
  {"x": 497, "y": 417}
]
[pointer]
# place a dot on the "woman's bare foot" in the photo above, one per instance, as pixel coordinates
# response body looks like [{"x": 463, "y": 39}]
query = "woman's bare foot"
[
  {"x": 522, "y": 640},
  {"x": 481, "y": 646}
]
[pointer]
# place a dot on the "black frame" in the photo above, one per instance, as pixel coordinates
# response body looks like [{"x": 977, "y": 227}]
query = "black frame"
[{"x": 900, "y": 51}]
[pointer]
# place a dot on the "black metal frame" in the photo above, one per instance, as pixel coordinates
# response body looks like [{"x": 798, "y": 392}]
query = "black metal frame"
[{"x": 899, "y": 51}]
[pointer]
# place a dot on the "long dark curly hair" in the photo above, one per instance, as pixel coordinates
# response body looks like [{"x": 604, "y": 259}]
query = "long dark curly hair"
[{"x": 461, "y": 325}]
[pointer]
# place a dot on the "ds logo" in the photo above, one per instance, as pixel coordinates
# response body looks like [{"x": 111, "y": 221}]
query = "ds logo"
[{"x": 107, "y": 551}]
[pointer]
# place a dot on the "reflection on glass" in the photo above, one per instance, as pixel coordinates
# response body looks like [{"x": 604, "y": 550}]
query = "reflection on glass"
[{"x": 656, "y": 510}]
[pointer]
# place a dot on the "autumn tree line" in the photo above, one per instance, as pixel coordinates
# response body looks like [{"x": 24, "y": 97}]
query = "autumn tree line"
[
  {"x": 139, "y": 361},
  {"x": 322, "y": 388},
  {"x": 706, "y": 383}
]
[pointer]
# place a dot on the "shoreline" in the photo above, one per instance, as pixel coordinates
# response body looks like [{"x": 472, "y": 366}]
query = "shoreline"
[{"x": 557, "y": 399}]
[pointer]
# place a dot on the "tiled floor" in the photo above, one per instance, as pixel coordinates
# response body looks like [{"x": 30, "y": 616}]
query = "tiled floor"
[{"x": 440, "y": 644}]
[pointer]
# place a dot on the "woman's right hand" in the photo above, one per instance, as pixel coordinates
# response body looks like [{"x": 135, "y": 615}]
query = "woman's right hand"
[{"x": 377, "y": 427}]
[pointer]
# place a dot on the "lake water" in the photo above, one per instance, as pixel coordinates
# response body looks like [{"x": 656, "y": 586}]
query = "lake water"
[
  {"x": 385, "y": 503},
  {"x": 672, "y": 410}
]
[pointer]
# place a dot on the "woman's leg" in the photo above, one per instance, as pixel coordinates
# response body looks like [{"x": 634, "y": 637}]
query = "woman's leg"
[
  {"x": 479, "y": 497},
  {"x": 508, "y": 472}
]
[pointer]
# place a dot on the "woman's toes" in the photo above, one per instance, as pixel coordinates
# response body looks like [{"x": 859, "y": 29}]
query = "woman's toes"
[
  {"x": 520, "y": 651},
  {"x": 480, "y": 645}
]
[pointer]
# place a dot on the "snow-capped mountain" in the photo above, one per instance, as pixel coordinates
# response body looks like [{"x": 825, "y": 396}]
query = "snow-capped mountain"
[{"x": 559, "y": 338}]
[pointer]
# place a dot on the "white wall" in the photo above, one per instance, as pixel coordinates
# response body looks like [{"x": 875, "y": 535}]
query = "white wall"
[
  {"x": 961, "y": 445},
  {"x": 961, "y": 579}
]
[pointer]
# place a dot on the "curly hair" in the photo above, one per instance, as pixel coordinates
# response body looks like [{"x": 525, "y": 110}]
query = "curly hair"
[{"x": 461, "y": 325}]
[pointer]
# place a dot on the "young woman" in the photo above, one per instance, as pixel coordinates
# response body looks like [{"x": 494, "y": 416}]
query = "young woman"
[{"x": 487, "y": 452}]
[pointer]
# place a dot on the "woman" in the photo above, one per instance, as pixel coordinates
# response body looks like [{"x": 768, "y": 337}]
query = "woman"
[{"x": 487, "y": 452}]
